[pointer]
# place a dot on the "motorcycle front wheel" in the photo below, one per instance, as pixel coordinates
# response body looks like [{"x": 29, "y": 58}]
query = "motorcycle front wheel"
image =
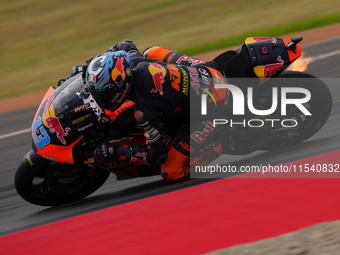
[{"x": 55, "y": 184}]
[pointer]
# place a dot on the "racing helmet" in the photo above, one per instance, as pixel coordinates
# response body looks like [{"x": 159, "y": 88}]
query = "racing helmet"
[{"x": 108, "y": 78}]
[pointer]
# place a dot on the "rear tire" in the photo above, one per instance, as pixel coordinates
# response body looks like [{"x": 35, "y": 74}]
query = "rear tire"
[{"x": 320, "y": 107}]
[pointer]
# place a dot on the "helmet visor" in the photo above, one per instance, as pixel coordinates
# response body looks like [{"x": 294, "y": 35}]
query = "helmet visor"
[{"x": 107, "y": 97}]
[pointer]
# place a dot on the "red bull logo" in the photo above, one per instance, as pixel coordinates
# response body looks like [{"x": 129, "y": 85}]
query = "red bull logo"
[
  {"x": 158, "y": 73},
  {"x": 55, "y": 127},
  {"x": 48, "y": 104},
  {"x": 260, "y": 39},
  {"x": 269, "y": 70},
  {"x": 199, "y": 136},
  {"x": 48, "y": 109},
  {"x": 118, "y": 70}
]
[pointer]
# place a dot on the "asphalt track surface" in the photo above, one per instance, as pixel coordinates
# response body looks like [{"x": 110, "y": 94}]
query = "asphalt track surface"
[{"x": 17, "y": 214}]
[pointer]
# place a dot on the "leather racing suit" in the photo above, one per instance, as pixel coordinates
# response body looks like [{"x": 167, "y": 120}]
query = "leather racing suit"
[{"x": 165, "y": 86}]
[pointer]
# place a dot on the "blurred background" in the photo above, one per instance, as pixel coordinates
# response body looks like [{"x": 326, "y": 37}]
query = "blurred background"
[{"x": 40, "y": 40}]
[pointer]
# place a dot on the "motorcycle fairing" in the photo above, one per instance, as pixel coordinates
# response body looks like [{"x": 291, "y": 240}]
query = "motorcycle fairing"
[
  {"x": 270, "y": 56},
  {"x": 63, "y": 118}
]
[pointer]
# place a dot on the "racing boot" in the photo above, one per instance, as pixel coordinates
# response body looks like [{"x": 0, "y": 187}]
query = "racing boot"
[
  {"x": 207, "y": 157},
  {"x": 176, "y": 167}
]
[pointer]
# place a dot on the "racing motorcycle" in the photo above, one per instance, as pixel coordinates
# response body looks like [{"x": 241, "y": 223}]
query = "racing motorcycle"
[{"x": 69, "y": 125}]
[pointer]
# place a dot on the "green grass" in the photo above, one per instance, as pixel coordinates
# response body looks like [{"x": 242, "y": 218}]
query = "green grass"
[
  {"x": 40, "y": 40},
  {"x": 278, "y": 31}
]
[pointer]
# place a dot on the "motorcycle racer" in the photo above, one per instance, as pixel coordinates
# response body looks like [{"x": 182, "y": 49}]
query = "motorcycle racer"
[{"x": 160, "y": 84}]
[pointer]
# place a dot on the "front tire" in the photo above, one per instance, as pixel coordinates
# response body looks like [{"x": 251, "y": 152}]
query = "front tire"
[{"x": 56, "y": 184}]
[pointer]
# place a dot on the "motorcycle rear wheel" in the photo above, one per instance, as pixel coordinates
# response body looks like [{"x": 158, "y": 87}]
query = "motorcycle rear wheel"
[
  {"x": 320, "y": 107},
  {"x": 57, "y": 184}
]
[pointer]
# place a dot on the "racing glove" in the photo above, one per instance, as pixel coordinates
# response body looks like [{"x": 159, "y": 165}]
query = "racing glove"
[
  {"x": 109, "y": 151},
  {"x": 78, "y": 69}
]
